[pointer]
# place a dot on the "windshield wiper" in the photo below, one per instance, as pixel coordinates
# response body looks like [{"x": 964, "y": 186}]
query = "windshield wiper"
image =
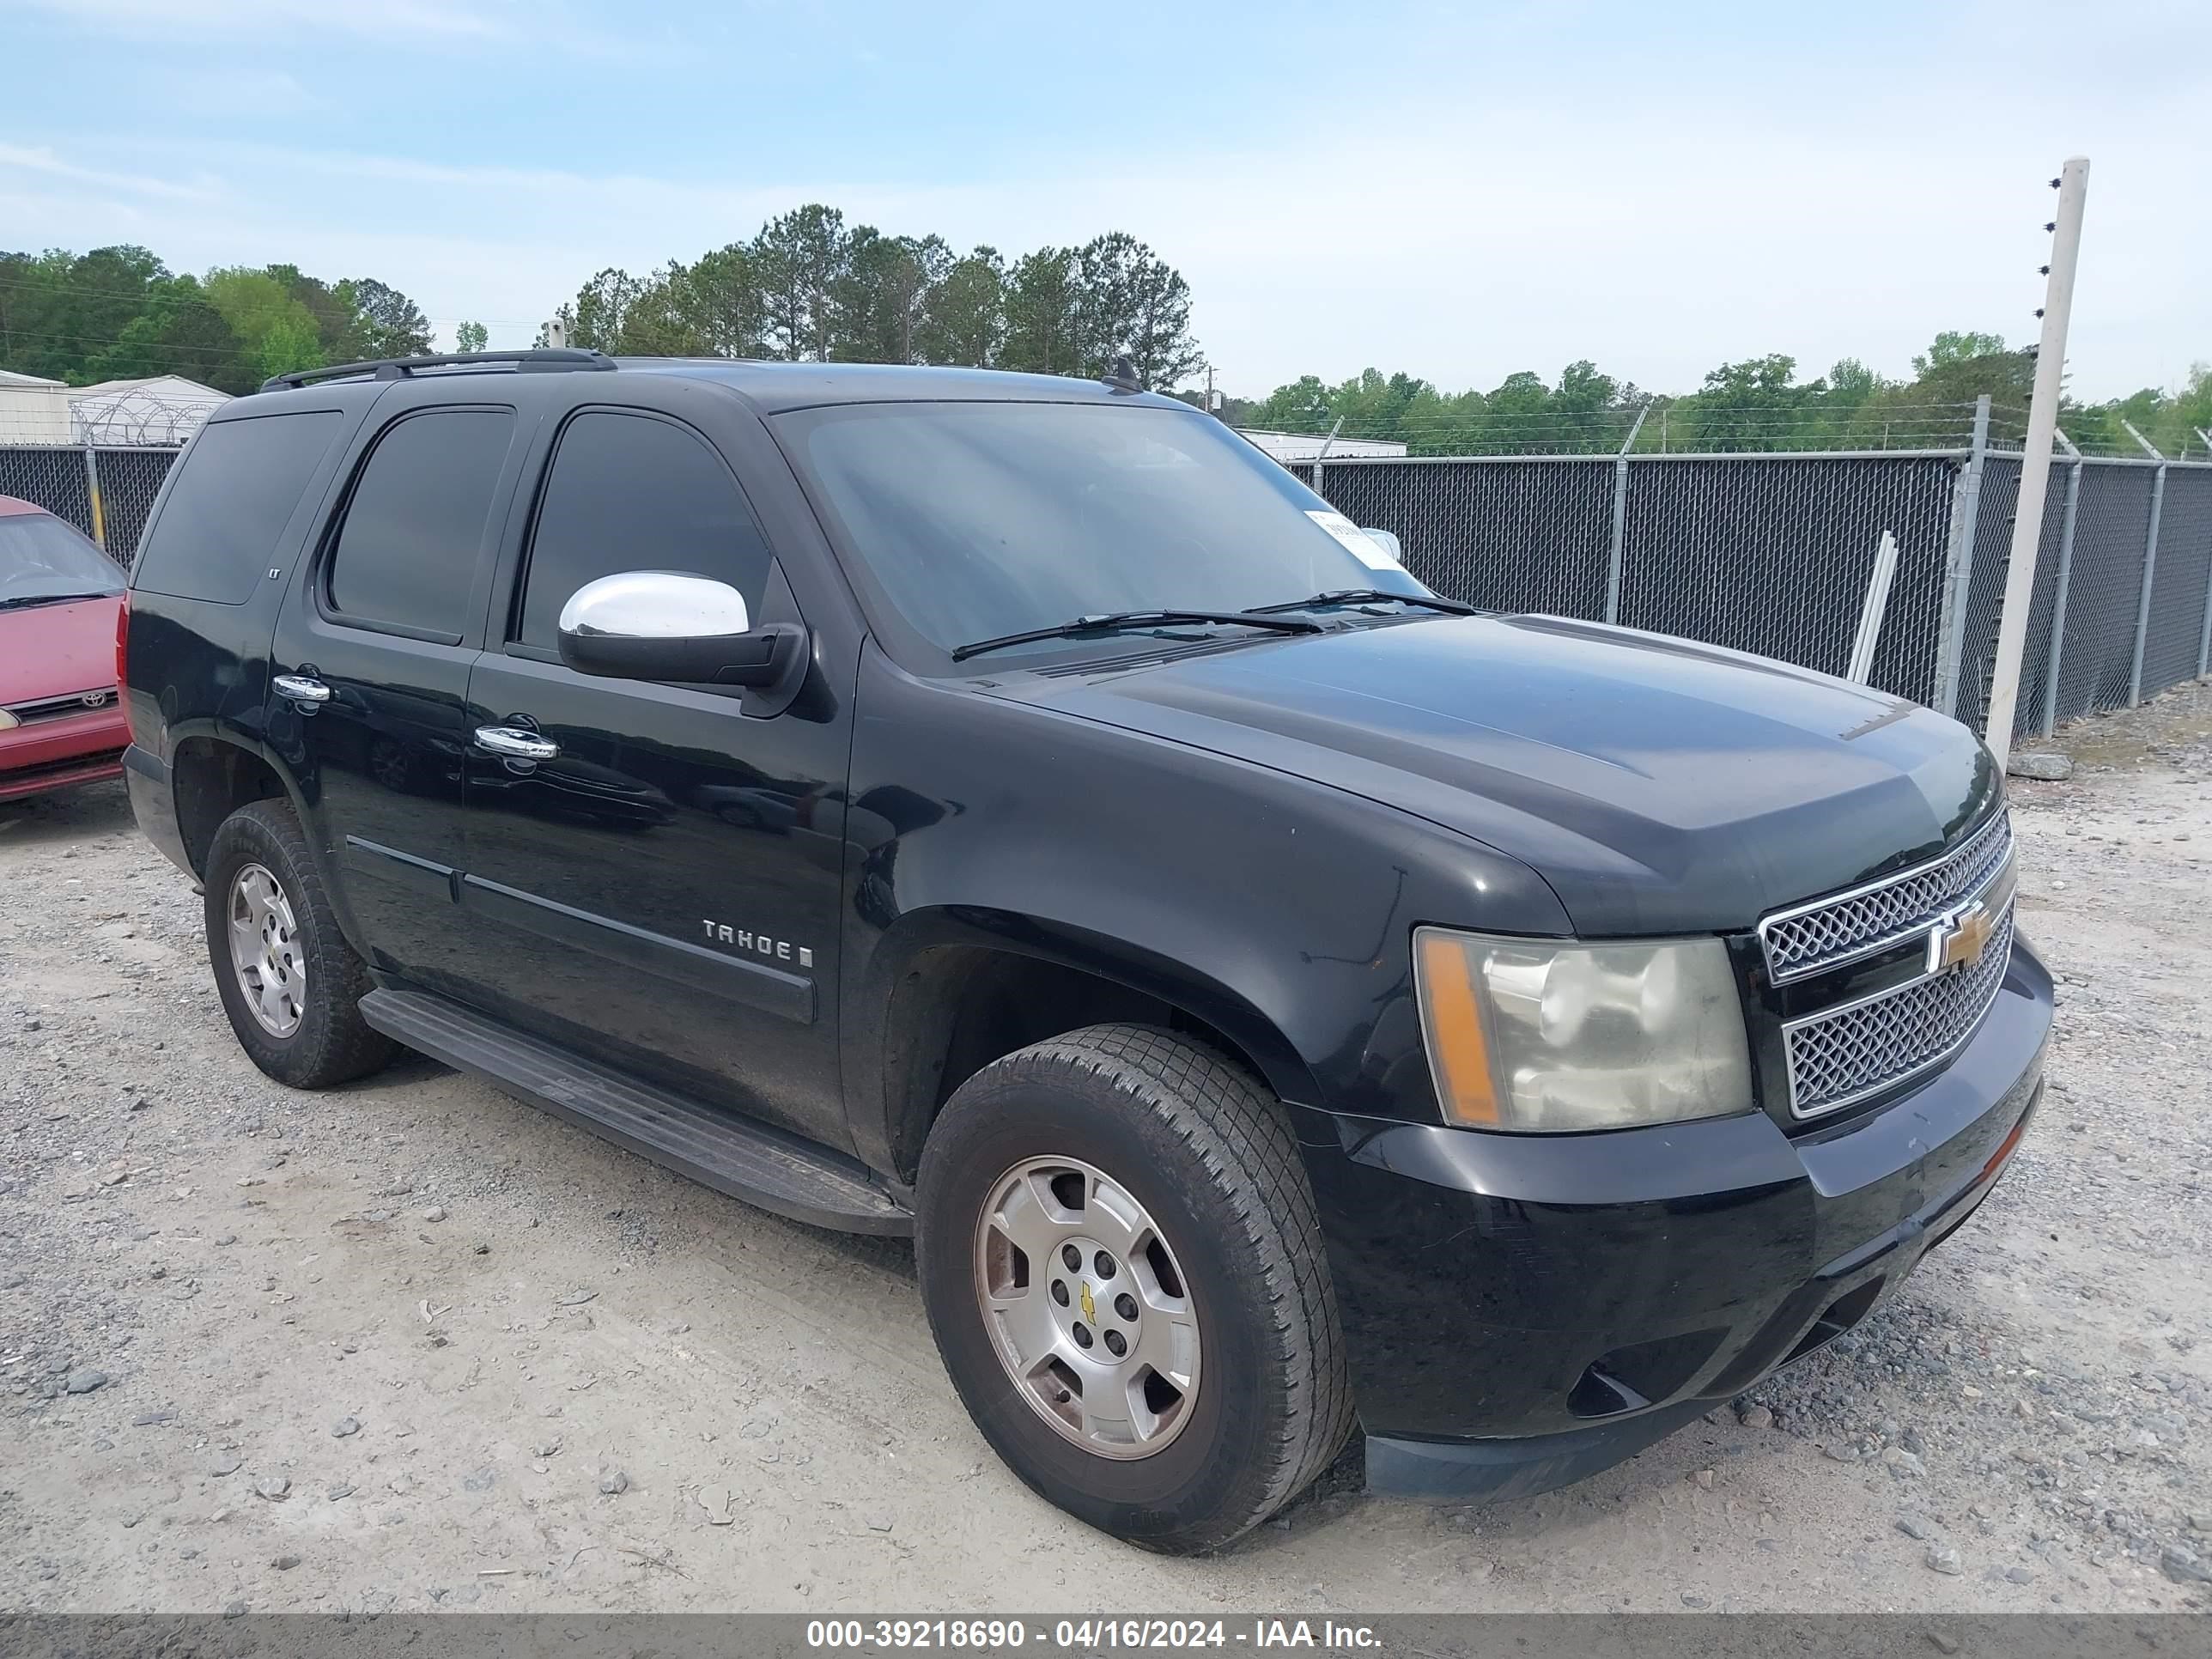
[
  {"x": 1367, "y": 596},
  {"x": 22, "y": 599},
  {"x": 1112, "y": 621}
]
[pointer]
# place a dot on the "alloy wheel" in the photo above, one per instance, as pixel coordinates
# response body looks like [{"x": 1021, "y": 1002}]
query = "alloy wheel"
[
  {"x": 265, "y": 951},
  {"x": 1087, "y": 1308}
]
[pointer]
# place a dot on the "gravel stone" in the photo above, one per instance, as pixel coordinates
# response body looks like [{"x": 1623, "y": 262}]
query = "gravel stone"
[{"x": 1941, "y": 1557}]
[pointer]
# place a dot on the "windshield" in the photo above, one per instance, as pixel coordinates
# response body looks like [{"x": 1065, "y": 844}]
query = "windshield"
[
  {"x": 975, "y": 521},
  {"x": 43, "y": 558}
]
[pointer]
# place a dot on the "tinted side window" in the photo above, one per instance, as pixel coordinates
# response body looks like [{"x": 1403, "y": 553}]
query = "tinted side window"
[
  {"x": 631, "y": 492},
  {"x": 414, "y": 531},
  {"x": 241, "y": 480}
]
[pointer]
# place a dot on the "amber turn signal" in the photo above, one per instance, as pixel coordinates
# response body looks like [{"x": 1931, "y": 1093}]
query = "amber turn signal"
[{"x": 1451, "y": 1013}]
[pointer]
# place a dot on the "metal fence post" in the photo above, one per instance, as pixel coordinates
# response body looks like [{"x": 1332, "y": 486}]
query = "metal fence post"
[
  {"x": 1958, "y": 564},
  {"x": 2065, "y": 581},
  {"x": 92, "y": 491},
  {"x": 2204, "y": 637},
  {"x": 1620, "y": 517},
  {"x": 2149, "y": 570}
]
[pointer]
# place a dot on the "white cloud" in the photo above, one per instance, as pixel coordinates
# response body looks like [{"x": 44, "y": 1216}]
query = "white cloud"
[
  {"x": 375, "y": 18},
  {"x": 43, "y": 160},
  {"x": 1460, "y": 243}
]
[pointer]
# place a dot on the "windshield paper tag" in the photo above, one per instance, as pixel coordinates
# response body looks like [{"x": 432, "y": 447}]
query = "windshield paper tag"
[{"x": 1355, "y": 541}]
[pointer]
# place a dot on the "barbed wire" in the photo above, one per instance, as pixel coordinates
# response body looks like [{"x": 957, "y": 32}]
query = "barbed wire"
[{"x": 126, "y": 417}]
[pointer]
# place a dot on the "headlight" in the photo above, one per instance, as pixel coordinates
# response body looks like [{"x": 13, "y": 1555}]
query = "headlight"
[{"x": 1546, "y": 1036}]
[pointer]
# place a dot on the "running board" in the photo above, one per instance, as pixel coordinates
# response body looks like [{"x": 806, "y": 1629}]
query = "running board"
[{"x": 762, "y": 1165}]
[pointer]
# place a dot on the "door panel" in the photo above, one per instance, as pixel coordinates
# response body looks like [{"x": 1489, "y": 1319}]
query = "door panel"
[
  {"x": 663, "y": 889},
  {"x": 370, "y": 668},
  {"x": 666, "y": 887}
]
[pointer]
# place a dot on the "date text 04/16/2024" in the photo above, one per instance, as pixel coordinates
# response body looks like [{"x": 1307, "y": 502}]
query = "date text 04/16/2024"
[{"x": 989, "y": 1635}]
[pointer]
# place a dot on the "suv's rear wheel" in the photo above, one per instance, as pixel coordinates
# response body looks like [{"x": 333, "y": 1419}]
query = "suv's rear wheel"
[
  {"x": 289, "y": 982},
  {"x": 1120, "y": 1258}
]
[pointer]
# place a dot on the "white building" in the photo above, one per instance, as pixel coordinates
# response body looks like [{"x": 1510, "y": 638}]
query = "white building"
[
  {"x": 1295, "y": 449},
  {"x": 33, "y": 410},
  {"x": 163, "y": 410}
]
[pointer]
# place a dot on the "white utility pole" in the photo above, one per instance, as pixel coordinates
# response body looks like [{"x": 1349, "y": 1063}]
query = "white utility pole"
[{"x": 2073, "y": 182}]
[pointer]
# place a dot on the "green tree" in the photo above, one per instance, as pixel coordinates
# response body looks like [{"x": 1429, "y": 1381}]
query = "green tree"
[
  {"x": 1955, "y": 346},
  {"x": 179, "y": 332},
  {"x": 724, "y": 305},
  {"x": 880, "y": 295},
  {"x": 1043, "y": 327},
  {"x": 964, "y": 317},
  {"x": 471, "y": 337},
  {"x": 595, "y": 319},
  {"x": 276, "y": 332},
  {"x": 798, "y": 256},
  {"x": 1130, "y": 302},
  {"x": 387, "y": 324},
  {"x": 1753, "y": 404}
]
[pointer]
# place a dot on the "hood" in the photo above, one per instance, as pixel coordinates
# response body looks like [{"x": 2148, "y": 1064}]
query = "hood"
[
  {"x": 52, "y": 650},
  {"x": 1657, "y": 785}
]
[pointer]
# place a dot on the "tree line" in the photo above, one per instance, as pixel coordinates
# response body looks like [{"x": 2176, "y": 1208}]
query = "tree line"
[
  {"x": 120, "y": 313},
  {"x": 810, "y": 288},
  {"x": 1758, "y": 403}
]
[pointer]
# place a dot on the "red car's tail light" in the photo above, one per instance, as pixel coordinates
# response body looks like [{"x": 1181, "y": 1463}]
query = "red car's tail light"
[{"x": 122, "y": 656}]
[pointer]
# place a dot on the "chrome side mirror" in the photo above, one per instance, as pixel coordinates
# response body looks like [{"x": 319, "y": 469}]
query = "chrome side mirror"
[
  {"x": 664, "y": 625},
  {"x": 655, "y": 605}
]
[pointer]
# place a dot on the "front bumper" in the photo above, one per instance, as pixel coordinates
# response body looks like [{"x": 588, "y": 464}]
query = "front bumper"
[
  {"x": 58, "y": 754},
  {"x": 1520, "y": 1311}
]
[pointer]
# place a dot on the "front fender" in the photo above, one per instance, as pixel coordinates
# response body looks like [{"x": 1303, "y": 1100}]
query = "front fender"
[{"x": 1277, "y": 909}]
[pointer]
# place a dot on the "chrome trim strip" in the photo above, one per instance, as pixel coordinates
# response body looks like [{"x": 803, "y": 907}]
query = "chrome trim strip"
[{"x": 1963, "y": 851}]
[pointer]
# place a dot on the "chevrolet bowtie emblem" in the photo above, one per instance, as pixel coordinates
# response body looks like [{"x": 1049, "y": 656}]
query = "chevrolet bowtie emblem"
[
  {"x": 1083, "y": 1295},
  {"x": 1959, "y": 938}
]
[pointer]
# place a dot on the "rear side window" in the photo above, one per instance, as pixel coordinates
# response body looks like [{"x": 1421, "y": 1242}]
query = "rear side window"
[
  {"x": 407, "y": 553},
  {"x": 633, "y": 492},
  {"x": 218, "y": 532}
]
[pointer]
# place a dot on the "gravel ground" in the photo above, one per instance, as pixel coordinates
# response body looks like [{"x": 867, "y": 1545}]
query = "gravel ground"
[{"x": 412, "y": 1345}]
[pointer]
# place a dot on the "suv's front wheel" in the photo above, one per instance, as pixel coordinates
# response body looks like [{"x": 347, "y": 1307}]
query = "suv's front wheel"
[
  {"x": 1119, "y": 1255},
  {"x": 289, "y": 982}
]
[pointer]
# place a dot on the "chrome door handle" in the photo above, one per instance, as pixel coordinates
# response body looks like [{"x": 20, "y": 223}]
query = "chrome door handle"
[
  {"x": 300, "y": 688},
  {"x": 515, "y": 742}
]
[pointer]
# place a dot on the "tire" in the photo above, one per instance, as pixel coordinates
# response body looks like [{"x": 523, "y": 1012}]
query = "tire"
[
  {"x": 327, "y": 1042},
  {"x": 1208, "y": 1156}
]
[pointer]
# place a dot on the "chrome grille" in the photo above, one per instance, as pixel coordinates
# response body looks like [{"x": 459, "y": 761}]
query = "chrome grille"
[
  {"x": 1845, "y": 1053},
  {"x": 1812, "y": 936},
  {"x": 54, "y": 708}
]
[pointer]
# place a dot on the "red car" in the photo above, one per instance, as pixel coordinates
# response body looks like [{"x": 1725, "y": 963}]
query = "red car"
[{"x": 61, "y": 600}]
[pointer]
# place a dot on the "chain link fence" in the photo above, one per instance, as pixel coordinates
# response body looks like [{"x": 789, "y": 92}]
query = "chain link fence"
[
  {"x": 1772, "y": 553},
  {"x": 1769, "y": 553},
  {"x": 66, "y": 479}
]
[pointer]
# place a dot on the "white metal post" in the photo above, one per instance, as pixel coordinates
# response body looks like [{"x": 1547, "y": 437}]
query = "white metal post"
[
  {"x": 1326, "y": 445},
  {"x": 1959, "y": 563},
  {"x": 1860, "y": 668},
  {"x": 2149, "y": 447},
  {"x": 2059, "y": 600},
  {"x": 2149, "y": 576},
  {"x": 2073, "y": 183},
  {"x": 1620, "y": 517}
]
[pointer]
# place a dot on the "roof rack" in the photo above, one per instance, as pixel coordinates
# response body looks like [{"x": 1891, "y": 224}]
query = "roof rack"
[{"x": 542, "y": 360}]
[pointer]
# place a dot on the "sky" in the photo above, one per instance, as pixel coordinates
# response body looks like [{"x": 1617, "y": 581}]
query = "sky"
[{"x": 1457, "y": 192}]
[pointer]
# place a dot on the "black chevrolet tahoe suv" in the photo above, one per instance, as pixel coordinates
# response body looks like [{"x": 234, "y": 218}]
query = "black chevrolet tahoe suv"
[{"x": 1015, "y": 811}]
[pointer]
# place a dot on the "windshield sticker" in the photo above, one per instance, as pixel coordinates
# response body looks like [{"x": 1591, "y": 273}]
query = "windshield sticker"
[{"x": 1355, "y": 541}]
